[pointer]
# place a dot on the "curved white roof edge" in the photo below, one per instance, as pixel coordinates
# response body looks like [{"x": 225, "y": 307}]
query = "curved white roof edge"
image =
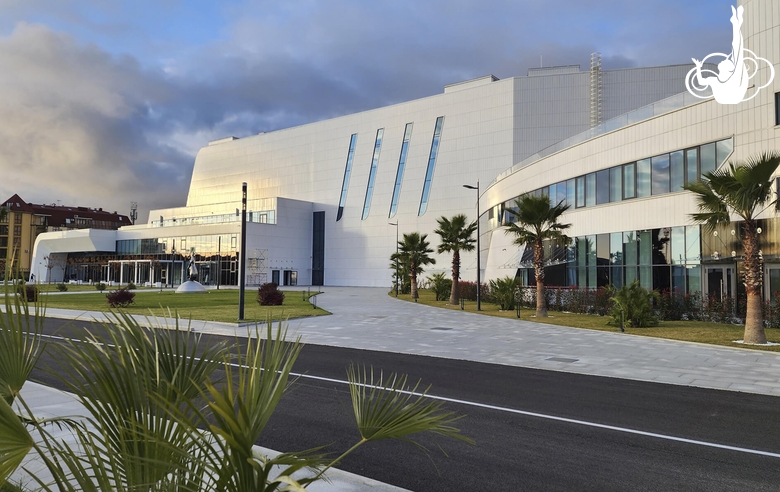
[{"x": 53, "y": 243}]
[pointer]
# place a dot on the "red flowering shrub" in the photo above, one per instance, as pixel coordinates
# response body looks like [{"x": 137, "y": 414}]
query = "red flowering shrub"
[
  {"x": 120, "y": 298},
  {"x": 270, "y": 295}
]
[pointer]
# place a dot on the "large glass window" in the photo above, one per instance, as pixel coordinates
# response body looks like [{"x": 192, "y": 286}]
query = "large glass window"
[
  {"x": 616, "y": 258},
  {"x": 570, "y": 193},
  {"x": 431, "y": 164},
  {"x": 723, "y": 149},
  {"x": 629, "y": 180},
  {"x": 616, "y": 184},
  {"x": 560, "y": 196},
  {"x": 660, "y": 174},
  {"x": 677, "y": 171},
  {"x": 678, "y": 245},
  {"x": 602, "y": 187},
  {"x": 692, "y": 244},
  {"x": 643, "y": 175},
  {"x": 590, "y": 190},
  {"x": 707, "y": 158},
  {"x": 399, "y": 174},
  {"x": 692, "y": 165},
  {"x": 777, "y": 108},
  {"x": 590, "y": 243},
  {"x": 580, "y": 191},
  {"x": 347, "y": 172},
  {"x": 372, "y": 172}
]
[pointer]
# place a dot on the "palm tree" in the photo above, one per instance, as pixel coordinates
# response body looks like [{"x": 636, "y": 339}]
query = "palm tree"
[
  {"x": 742, "y": 189},
  {"x": 413, "y": 251},
  {"x": 537, "y": 220},
  {"x": 455, "y": 237}
]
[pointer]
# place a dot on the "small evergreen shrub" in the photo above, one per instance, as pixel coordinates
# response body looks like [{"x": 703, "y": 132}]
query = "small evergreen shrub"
[
  {"x": 270, "y": 295},
  {"x": 502, "y": 292},
  {"x": 100, "y": 286},
  {"x": 29, "y": 291},
  {"x": 120, "y": 298},
  {"x": 468, "y": 291},
  {"x": 62, "y": 287},
  {"x": 635, "y": 303},
  {"x": 130, "y": 286},
  {"x": 441, "y": 286}
]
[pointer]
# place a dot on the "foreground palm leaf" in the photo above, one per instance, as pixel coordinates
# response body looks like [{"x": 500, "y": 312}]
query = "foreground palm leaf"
[
  {"x": 389, "y": 409},
  {"x": 126, "y": 385},
  {"x": 20, "y": 341},
  {"x": 15, "y": 441},
  {"x": 239, "y": 411}
]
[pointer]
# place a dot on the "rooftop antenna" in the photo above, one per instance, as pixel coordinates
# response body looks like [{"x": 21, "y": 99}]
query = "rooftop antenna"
[{"x": 133, "y": 211}]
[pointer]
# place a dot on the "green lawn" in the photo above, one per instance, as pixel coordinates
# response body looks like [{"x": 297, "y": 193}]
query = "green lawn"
[
  {"x": 215, "y": 305},
  {"x": 691, "y": 331}
]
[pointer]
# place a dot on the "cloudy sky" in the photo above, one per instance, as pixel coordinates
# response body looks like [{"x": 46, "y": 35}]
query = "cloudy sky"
[{"x": 106, "y": 102}]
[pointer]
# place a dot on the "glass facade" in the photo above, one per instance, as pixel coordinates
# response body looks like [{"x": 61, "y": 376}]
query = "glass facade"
[
  {"x": 347, "y": 172},
  {"x": 372, "y": 172},
  {"x": 664, "y": 259},
  {"x": 658, "y": 175},
  {"x": 431, "y": 164},
  {"x": 399, "y": 174}
]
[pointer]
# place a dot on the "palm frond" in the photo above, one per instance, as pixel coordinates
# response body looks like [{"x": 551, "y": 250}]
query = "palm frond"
[
  {"x": 389, "y": 409},
  {"x": 240, "y": 409},
  {"x": 131, "y": 439},
  {"x": 15, "y": 443},
  {"x": 21, "y": 325}
]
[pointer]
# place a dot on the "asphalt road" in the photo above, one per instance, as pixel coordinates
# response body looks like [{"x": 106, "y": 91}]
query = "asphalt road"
[{"x": 535, "y": 430}]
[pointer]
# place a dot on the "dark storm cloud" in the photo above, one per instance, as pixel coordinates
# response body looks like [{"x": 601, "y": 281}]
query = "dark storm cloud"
[{"x": 89, "y": 124}]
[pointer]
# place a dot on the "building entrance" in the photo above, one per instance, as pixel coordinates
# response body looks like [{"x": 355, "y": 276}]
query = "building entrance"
[{"x": 720, "y": 282}]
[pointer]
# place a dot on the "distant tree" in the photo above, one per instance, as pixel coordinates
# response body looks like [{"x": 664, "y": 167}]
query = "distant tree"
[
  {"x": 537, "y": 220},
  {"x": 456, "y": 236},
  {"x": 743, "y": 189},
  {"x": 414, "y": 251}
]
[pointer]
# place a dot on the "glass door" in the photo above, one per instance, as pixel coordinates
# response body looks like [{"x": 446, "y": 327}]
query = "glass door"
[{"x": 720, "y": 282}]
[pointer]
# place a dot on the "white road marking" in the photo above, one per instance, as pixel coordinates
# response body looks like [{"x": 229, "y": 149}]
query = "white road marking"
[{"x": 530, "y": 414}]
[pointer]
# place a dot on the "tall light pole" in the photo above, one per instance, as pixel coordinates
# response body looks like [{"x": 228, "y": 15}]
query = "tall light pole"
[
  {"x": 397, "y": 280},
  {"x": 242, "y": 278},
  {"x": 479, "y": 294}
]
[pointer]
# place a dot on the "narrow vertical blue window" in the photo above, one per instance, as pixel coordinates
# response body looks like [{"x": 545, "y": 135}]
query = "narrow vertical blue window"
[
  {"x": 347, "y": 171},
  {"x": 372, "y": 173},
  {"x": 431, "y": 165},
  {"x": 399, "y": 175}
]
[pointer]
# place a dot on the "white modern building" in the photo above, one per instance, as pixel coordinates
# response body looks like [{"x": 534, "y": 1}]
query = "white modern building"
[{"x": 323, "y": 198}]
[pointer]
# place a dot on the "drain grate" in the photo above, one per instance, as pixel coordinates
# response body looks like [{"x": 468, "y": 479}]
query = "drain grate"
[
  {"x": 441, "y": 328},
  {"x": 561, "y": 359}
]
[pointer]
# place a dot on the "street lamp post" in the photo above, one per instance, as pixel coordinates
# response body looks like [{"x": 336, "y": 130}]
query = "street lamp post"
[
  {"x": 242, "y": 278},
  {"x": 397, "y": 280},
  {"x": 479, "y": 294}
]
